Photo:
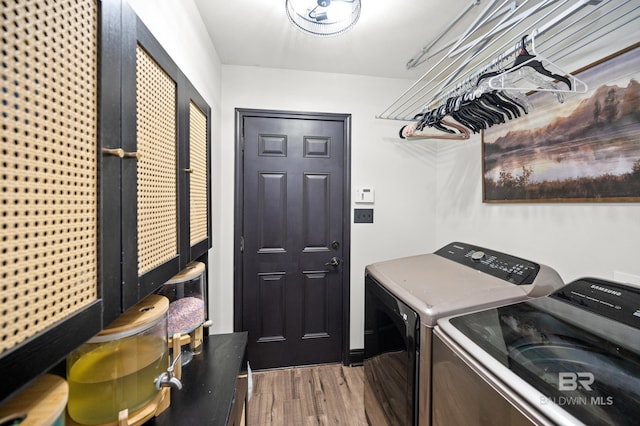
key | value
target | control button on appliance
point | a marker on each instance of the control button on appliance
(477, 256)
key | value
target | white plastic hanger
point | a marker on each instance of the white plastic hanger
(515, 79)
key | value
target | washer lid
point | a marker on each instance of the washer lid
(435, 286)
(586, 363)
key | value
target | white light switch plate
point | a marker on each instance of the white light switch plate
(365, 194)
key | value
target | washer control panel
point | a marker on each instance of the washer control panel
(610, 299)
(500, 265)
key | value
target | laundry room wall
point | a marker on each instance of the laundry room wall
(402, 174)
(577, 239)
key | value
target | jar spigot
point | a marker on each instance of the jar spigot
(167, 379)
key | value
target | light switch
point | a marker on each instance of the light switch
(365, 194)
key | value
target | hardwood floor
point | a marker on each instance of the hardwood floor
(318, 395)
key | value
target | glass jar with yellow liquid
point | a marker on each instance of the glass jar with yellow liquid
(117, 369)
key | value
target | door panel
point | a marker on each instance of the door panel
(271, 307)
(272, 212)
(198, 175)
(293, 208)
(157, 180)
(316, 295)
(53, 114)
(315, 213)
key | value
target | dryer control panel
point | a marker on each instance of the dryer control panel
(500, 265)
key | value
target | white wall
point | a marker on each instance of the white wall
(402, 174)
(581, 239)
(577, 239)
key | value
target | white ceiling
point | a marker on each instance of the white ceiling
(388, 34)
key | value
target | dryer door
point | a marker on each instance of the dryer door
(391, 346)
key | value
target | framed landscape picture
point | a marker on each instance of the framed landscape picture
(586, 149)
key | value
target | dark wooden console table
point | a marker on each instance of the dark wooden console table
(214, 387)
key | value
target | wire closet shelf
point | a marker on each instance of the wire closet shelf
(553, 31)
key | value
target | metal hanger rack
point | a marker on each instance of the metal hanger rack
(557, 29)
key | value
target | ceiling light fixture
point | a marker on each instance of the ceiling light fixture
(323, 17)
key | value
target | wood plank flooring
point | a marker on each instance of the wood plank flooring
(329, 394)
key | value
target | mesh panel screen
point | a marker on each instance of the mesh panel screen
(156, 145)
(198, 179)
(48, 179)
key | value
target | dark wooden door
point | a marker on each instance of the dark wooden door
(293, 254)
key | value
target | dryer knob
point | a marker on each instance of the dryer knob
(477, 256)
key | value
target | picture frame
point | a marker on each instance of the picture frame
(586, 149)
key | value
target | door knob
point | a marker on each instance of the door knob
(334, 262)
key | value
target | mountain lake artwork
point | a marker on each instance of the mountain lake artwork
(586, 149)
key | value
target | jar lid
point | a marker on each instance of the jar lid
(191, 271)
(40, 403)
(142, 316)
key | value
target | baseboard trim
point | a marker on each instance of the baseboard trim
(356, 357)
